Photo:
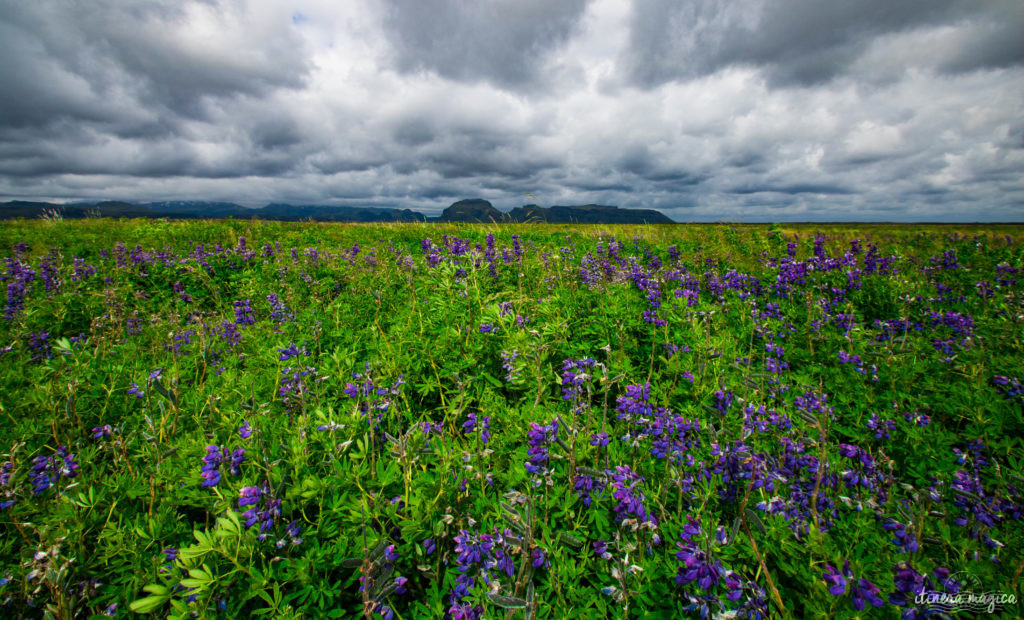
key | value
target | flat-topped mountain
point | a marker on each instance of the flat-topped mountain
(587, 214)
(472, 210)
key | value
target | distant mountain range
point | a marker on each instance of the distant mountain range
(477, 210)
(473, 210)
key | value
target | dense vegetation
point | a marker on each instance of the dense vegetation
(409, 420)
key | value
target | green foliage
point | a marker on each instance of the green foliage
(364, 402)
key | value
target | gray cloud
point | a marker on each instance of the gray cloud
(88, 60)
(805, 42)
(786, 110)
(504, 42)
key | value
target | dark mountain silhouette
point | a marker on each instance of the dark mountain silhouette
(587, 214)
(471, 210)
(479, 210)
(336, 214)
(208, 210)
(199, 208)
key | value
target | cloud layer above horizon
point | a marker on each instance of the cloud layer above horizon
(751, 110)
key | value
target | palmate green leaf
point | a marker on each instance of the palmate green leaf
(230, 523)
(148, 604)
(404, 321)
(492, 379)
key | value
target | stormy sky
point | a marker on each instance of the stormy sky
(741, 110)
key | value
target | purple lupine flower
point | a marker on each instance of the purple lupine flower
(599, 439)
(487, 328)
(400, 583)
(230, 333)
(835, 580)
(245, 431)
(470, 424)
(263, 517)
(429, 546)
(237, 458)
(504, 562)
(508, 364)
(635, 402)
(292, 351)
(179, 289)
(293, 529)
(624, 483)
(904, 536)
(47, 470)
(5, 479)
(1009, 387)
(99, 432)
(135, 391)
(243, 313)
(351, 390)
(538, 559)
(470, 549)
(279, 312)
(881, 427)
(293, 384)
(723, 400)
(865, 591)
(465, 611)
(539, 437)
(908, 582)
(249, 496)
(721, 535)
(697, 566)
(601, 550)
(211, 466)
(691, 530)
(485, 429)
(585, 487)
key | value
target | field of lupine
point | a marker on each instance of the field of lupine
(252, 419)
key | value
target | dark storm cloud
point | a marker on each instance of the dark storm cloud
(803, 42)
(115, 87)
(783, 109)
(994, 42)
(504, 42)
(87, 60)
